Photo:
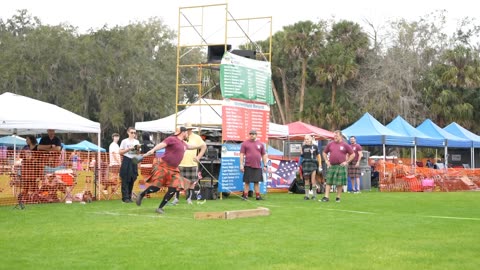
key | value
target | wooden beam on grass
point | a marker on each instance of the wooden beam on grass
(260, 211)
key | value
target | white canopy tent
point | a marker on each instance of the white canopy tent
(206, 113)
(24, 115)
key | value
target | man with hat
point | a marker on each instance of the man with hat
(252, 152)
(189, 164)
(165, 172)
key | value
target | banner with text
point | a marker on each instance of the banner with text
(246, 78)
(239, 117)
(231, 178)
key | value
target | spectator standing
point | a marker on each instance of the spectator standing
(252, 152)
(340, 154)
(354, 166)
(311, 161)
(129, 148)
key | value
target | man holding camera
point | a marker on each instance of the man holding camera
(129, 148)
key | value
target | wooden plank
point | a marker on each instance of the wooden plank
(467, 181)
(260, 211)
(209, 215)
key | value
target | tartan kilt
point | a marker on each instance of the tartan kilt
(189, 173)
(337, 175)
(309, 166)
(164, 175)
(353, 171)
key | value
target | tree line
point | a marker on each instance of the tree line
(326, 73)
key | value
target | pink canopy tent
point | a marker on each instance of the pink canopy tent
(298, 130)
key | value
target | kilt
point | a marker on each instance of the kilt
(252, 175)
(164, 175)
(190, 173)
(309, 166)
(337, 175)
(353, 171)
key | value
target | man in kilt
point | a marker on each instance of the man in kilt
(311, 162)
(354, 166)
(340, 154)
(252, 152)
(189, 164)
(165, 172)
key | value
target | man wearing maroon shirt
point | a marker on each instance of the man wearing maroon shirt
(252, 152)
(165, 171)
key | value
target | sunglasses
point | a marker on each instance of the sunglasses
(133, 132)
(253, 133)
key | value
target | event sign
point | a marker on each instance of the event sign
(231, 178)
(245, 78)
(239, 117)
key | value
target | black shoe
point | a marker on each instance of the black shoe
(139, 199)
(337, 200)
(244, 198)
(259, 198)
(127, 201)
(325, 199)
(306, 198)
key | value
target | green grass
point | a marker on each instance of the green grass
(372, 230)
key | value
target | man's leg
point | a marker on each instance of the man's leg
(246, 186)
(170, 193)
(125, 193)
(358, 184)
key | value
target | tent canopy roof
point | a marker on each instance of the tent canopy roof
(401, 126)
(298, 130)
(432, 130)
(84, 146)
(368, 131)
(463, 133)
(24, 115)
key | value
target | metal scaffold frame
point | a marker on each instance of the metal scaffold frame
(201, 28)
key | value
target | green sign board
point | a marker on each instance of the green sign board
(245, 78)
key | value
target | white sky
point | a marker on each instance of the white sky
(92, 14)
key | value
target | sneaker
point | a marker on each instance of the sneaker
(306, 198)
(337, 200)
(139, 199)
(175, 201)
(244, 198)
(189, 201)
(127, 201)
(325, 199)
(160, 211)
(259, 198)
(314, 197)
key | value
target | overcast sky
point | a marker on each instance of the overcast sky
(93, 14)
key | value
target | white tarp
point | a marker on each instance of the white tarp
(24, 115)
(206, 113)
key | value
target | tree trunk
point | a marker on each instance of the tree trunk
(279, 104)
(334, 92)
(286, 98)
(302, 88)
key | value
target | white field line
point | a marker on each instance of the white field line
(348, 211)
(457, 218)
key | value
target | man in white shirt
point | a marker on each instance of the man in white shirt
(129, 148)
(114, 165)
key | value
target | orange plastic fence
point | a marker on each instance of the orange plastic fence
(399, 177)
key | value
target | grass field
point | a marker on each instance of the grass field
(371, 230)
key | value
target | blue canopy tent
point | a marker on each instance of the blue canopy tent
(84, 146)
(13, 140)
(463, 133)
(403, 127)
(368, 131)
(431, 129)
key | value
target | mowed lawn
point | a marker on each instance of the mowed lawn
(371, 230)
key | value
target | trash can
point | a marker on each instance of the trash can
(366, 178)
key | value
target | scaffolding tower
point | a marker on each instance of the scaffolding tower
(204, 33)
